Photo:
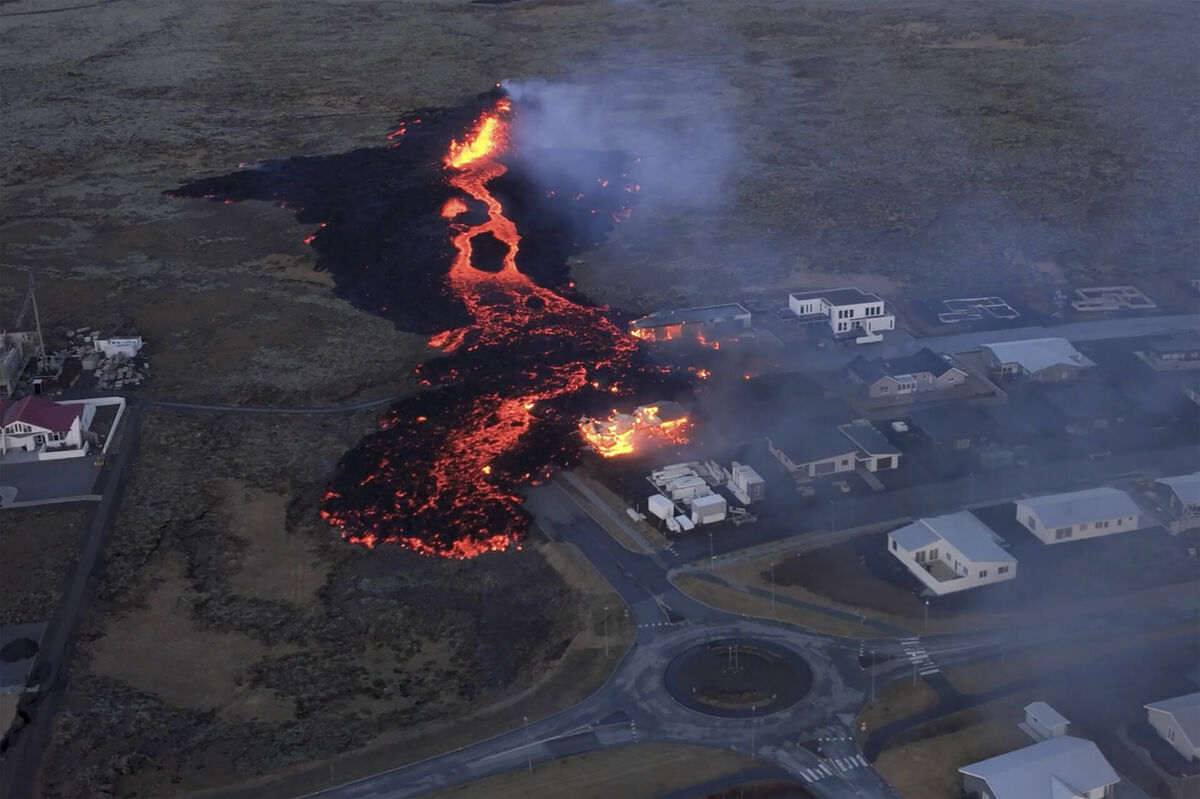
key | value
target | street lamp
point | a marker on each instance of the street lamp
(528, 745)
(832, 517)
(772, 588)
(872, 676)
(712, 556)
(926, 615)
(753, 729)
(606, 631)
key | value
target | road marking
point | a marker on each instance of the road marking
(813, 776)
(862, 761)
(826, 769)
(933, 670)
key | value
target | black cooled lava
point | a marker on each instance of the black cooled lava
(453, 230)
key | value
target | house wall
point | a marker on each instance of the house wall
(881, 463)
(1053, 374)
(870, 317)
(953, 377)
(1168, 729)
(976, 785)
(1093, 528)
(970, 573)
(833, 465)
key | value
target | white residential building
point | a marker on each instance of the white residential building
(848, 311)
(1183, 500)
(1059, 768)
(34, 424)
(952, 553)
(1043, 722)
(1040, 359)
(1177, 721)
(1079, 514)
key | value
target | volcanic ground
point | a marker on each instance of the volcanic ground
(453, 229)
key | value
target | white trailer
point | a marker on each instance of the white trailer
(746, 484)
(708, 509)
(660, 506)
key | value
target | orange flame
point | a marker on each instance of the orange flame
(623, 433)
(487, 137)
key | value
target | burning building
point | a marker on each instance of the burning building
(624, 433)
(707, 325)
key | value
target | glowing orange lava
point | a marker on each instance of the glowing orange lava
(454, 207)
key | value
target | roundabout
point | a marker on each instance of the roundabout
(738, 678)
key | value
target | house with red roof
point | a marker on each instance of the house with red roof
(34, 424)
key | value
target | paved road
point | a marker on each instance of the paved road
(195, 406)
(634, 704)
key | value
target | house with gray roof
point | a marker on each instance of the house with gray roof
(816, 450)
(1057, 518)
(1040, 359)
(952, 553)
(923, 371)
(1064, 767)
(1182, 493)
(1177, 721)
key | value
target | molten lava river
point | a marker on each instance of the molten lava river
(454, 231)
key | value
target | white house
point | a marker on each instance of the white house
(1079, 514)
(1177, 722)
(34, 424)
(1043, 722)
(874, 451)
(952, 553)
(1040, 359)
(818, 451)
(1059, 768)
(1183, 500)
(848, 311)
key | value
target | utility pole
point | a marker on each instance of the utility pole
(832, 517)
(872, 676)
(753, 728)
(914, 674)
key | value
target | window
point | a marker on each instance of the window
(962, 443)
(1031, 523)
(983, 572)
(884, 389)
(1119, 522)
(1002, 570)
(845, 461)
(1101, 525)
(933, 554)
(920, 556)
(893, 546)
(1170, 734)
(1061, 533)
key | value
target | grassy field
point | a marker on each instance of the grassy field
(926, 766)
(899, 700)
(37, 546)
(646, 770)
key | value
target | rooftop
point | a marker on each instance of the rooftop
(1088, 400)
(971, 537)
(1060, 767)
(39, 412)
(1061, 510)
(845, 296)
(1036, 354)
(868, 439)
(1186, 712)
(923, 360)
(1046, 715)
(809, 444)
(1178, 342)
(707, 313)
(1185, 486)
(948, 423)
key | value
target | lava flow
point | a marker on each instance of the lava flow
(624, 433)
(522, 358)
